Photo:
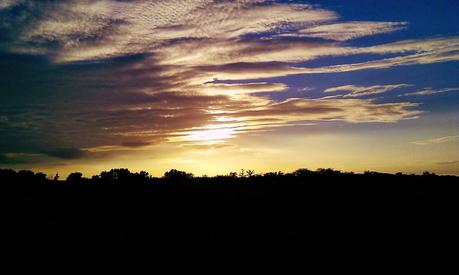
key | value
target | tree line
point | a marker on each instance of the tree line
(124, 175)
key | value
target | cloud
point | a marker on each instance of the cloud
(207, 147)
(439, 140)
(243, 88)
(135, 144)
(215, 52)
(84, 30)
(349, 30)
(350, 110)
(66, 153)
(430, 91)
(5, 4)
(12, 159)
(413, 52)
(448, 162)
(306, 89)
(86, 77)
(358, 91)
(239, 61)
(204, 32)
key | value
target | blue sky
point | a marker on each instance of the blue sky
(213, 86)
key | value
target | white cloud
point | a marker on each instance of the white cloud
(350, 110)
(349, 30)
(437, 140)
(306, 89)
(358, 91)
(430, 91)
(4, 4)
(412, 52)
(122, 28)
(207, 32)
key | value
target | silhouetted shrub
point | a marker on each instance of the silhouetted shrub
(75, 177)
(178, 176)
(428, 174)
(328, 172)
(303, 173)
(115, 175)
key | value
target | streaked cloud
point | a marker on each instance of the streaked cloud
(234, 89)
(412, 52)
(358, 91)
(448, 162)
(438, 140)
(430, 91)
(349, 30)
(350, 110)
(82, 30)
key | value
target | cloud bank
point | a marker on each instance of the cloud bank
(91, 76)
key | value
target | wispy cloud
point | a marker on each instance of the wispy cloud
(5, 4)
(448, 162)
(349, 30)
(79, 30)
(358, 91)
(243, 88)
(306, 89)
(438, 140)
(351, 110)
(430, 91)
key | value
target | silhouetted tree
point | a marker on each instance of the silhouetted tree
(428, 174)
(115, 175)
(7, 174)
(176, 175)
(75, 177)
(271, 206)
(40, 177)
(26, 174)
(232, 175)
(303, 172)
(328, 172)
(250, 173)
(144, 174)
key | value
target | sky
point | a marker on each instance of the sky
(214, 86)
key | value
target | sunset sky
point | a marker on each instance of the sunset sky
(213, 86)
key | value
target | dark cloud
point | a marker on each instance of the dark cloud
(66, 153)
(46, 27)
(15, 159)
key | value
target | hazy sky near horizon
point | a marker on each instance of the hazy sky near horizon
(213, 86)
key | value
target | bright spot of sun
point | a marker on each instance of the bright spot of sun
(214, 135)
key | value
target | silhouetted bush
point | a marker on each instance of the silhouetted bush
(178, 176)
(75, 177)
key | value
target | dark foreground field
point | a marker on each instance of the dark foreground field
(122, 208)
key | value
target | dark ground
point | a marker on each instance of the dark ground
(119, 208)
